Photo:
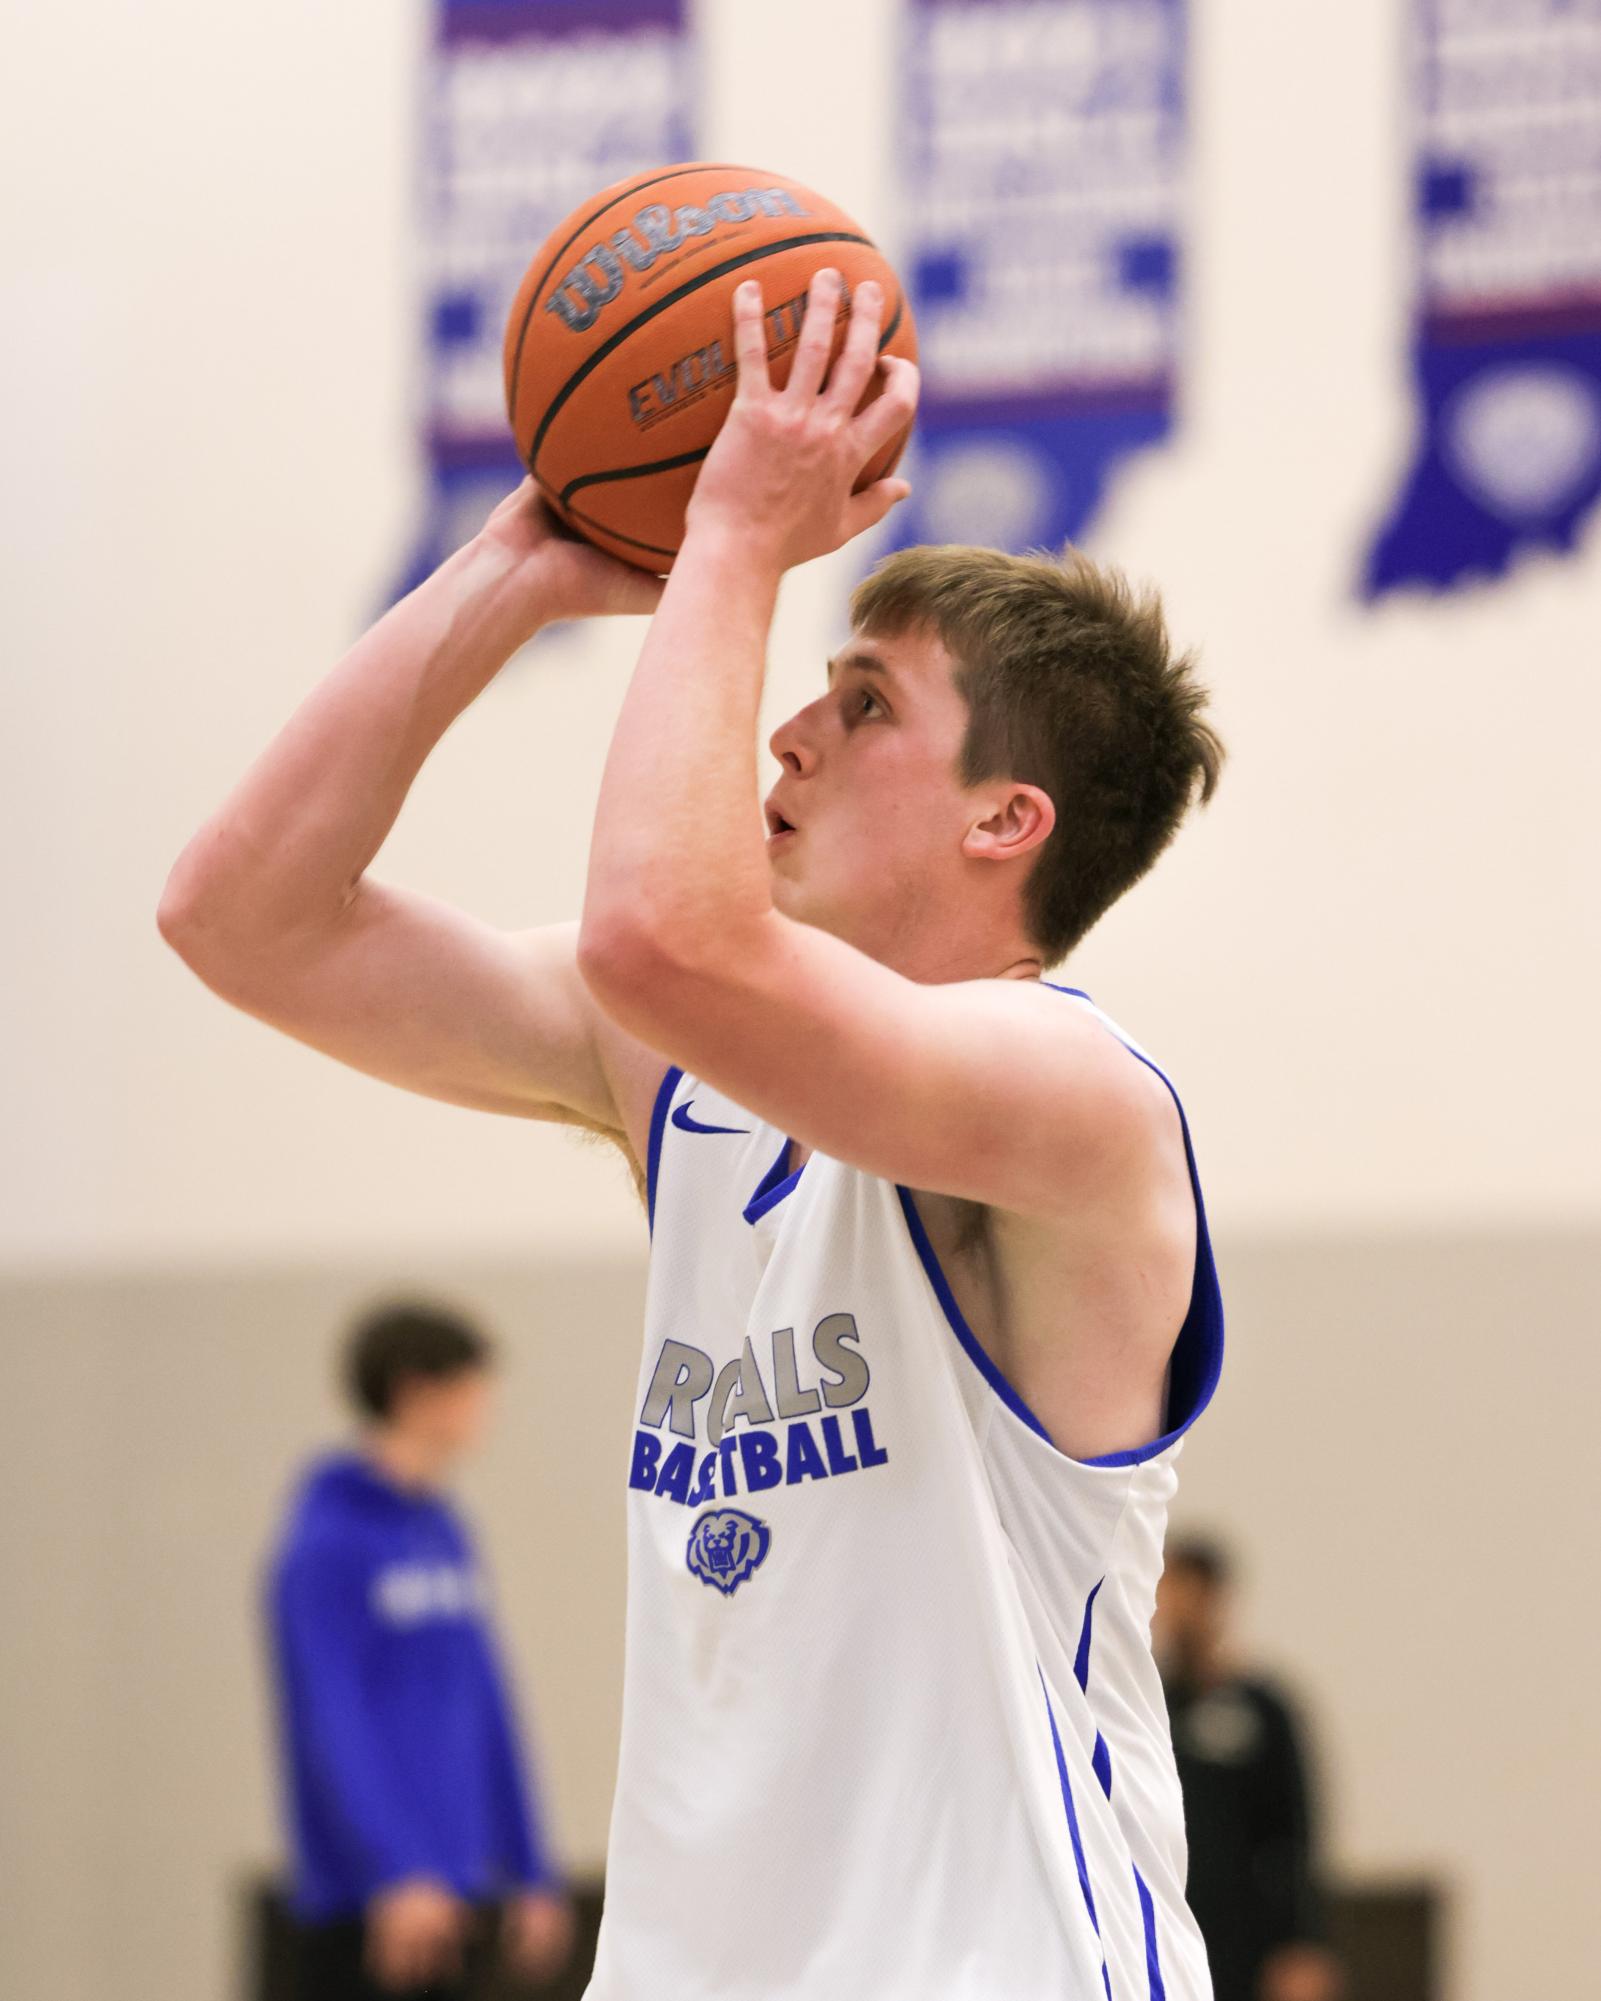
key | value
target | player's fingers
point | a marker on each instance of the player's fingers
(524, 500)
(858, 358)
(816, 341)
(890, 412)
(750, 342)
(866, 509)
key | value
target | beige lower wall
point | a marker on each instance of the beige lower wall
(1402, 1447)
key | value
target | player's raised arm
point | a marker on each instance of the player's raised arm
(946, 1079)
(271, 904)
(909, 1039)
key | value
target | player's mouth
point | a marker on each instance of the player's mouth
(779, 829)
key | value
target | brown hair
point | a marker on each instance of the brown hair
(1071, 685)
(408, 1341)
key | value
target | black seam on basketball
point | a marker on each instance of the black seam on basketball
(617, 535)
(589, 221)
(564, 497)
(575, 514)
(632, 472)
(624, 333)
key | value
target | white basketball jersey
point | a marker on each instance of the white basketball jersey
(891, 1726)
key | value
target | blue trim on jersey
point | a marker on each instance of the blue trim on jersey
(959, 1326)
(1153, 1959)
(653, 1152)
(1197, 1358)
(774, 1185)
(1101, 1758)
(1072, 1826)
(1081, 1660)
(1101, 1764)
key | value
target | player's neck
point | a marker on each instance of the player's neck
(944, 966)
(406, 1459)
(940, 955)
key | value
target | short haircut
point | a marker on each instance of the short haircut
(405, 1340)
(1203, 1557)
(1071, 684)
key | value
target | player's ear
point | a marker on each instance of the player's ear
(1014, 822)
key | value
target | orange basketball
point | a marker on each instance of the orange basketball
(619, 362)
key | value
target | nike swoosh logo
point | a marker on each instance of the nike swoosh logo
(686, 1124)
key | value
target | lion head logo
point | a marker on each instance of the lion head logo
(725, 1546)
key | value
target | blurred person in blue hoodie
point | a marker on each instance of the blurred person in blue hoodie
(410, 1809)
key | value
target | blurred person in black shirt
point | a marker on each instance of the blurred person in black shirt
(1247, 1805)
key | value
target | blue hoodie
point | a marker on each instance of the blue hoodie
(397, 1735)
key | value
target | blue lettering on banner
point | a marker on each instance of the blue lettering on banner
(1044, 149)
(531, 107)
(1506, 337)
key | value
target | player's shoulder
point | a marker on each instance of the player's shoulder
(1093, 1093)
(1044, 1017)
(1030, 997)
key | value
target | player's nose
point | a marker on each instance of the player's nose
(794, 746)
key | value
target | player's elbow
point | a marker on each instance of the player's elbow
(619, 958)
(186, 927)
(641, 972)
(181, 912)
(199, 917)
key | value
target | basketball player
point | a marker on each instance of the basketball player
(931, 1298)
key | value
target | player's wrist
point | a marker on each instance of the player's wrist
(520, 588)
(731, 547)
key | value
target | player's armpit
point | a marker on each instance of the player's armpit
(998, 1091)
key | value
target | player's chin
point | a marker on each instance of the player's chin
(788, 887)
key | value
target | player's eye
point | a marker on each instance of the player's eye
(864, 702)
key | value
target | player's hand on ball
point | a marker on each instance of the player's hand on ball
(781, 475)
(572, 579)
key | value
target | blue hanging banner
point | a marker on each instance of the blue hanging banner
(531, 107)
(1042, 143)
(1506, 354)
